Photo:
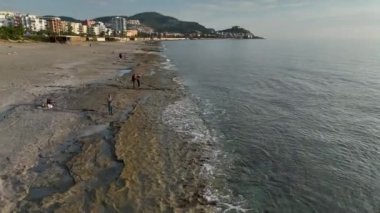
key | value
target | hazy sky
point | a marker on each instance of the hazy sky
(357, 19)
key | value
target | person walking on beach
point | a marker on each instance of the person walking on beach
(136, 78)
(109, 103)
(120, 55)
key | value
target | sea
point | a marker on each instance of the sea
(294, 125)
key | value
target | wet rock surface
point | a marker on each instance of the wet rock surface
(95, 162)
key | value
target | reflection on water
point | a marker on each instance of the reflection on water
(299, 130)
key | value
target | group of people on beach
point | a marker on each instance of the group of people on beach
(135, 81)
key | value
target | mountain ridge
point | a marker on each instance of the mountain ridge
(162, 23)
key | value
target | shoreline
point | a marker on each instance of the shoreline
(81, 159)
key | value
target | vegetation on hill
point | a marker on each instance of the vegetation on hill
(107, 19)
(162, 23)
(236, 29)
(64, 18)
(238, 32)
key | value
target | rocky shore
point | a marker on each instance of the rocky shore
(77, 158)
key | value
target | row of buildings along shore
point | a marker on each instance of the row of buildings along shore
(50, 25)
(118, 28)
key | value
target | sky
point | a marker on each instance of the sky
(331, 19)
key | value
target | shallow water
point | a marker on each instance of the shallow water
(124, 72)
(296, 123)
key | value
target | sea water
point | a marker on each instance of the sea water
(295, 125)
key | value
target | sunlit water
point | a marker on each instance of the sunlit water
(297, 123)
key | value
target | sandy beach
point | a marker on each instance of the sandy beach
(77, 158)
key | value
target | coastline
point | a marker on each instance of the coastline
(77, 158)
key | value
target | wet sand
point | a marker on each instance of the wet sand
(77, 158)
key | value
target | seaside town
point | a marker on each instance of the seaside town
(114, 28)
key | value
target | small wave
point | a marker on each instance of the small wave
(184, 118)
(167, 65)
(180, 82)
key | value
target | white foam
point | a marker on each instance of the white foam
(184, 118)
(180, 82)
(167, 65)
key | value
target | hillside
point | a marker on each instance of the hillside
(107, 19)
(64, 18)
(238, 32)
(162, 23)
(236, 29)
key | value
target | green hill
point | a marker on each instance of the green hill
(236, 29)
(237, 32)
(162, 23)
(107, 19)
(64, 18)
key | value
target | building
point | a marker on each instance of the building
(88, 23)
(75, 28)
(54, 25)
(94, 30)
(132, 33)
(133, 22)
(102, 27)
(98, 29)
(83, 29)
(65, 26)
(119, 25)
(145, 30)
(33, 23)
(41, 26)
(15, 21)
(5, 18)
(108, 32)
(3, 21)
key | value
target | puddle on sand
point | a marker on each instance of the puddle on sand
(123, 72)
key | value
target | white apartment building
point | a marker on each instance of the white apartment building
(42, 23)
(3, 21)
(6, 18)
(75, 28)
(65, 26)
(108, 32)
(94, 30)
(119, 25)
(83, 29)
(102, 27)
(33, 23)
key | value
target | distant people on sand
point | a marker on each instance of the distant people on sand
(120, 55)
(136, 79)
(109, 104)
